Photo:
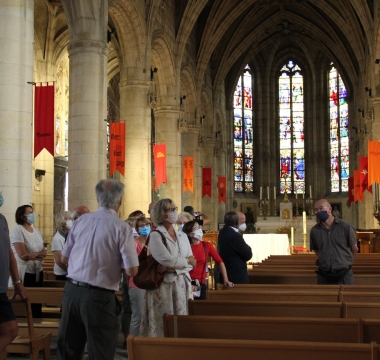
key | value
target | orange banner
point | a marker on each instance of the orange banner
(206, 182)
(363, 167)
(221, 189)
(117, 148)
(358, 195)
(188, 173)
(159, 153)
(373, 162)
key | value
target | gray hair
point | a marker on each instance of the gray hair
(60, 219)
(109, 193)
(185, 214)
(160, 210)
(231, 218)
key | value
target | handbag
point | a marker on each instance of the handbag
(147, 276)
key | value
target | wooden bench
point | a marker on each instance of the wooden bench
(272, 328)
(28, 342)
(188, 349)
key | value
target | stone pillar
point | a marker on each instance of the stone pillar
(88, 51)
(16, 59)
(190, 148)
(136, 113)
(167, 132)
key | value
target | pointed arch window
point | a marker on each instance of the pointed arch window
(243, 133)
(291, 129)
(339, 140)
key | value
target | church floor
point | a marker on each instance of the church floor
(121, 354)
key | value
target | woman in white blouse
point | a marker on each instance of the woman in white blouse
(29, 250)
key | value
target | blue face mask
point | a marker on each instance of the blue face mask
(180, 227)
(1, 200)
(31, 218)
(322, 216)
(144, 231)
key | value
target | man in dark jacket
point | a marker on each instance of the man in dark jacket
(233, 249)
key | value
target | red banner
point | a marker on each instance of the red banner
(358, 195)
(159, 152)
(188, 173)
(373, 162)
(43, 119)
(363, 166)
(117, 148)
(221, 189)
(350, 189)
(206, 182)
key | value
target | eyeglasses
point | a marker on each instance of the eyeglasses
(141, 225)
(320, 209)
(171, 209)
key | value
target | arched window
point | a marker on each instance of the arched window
(339, 142)
(243, 134)
(291, 128)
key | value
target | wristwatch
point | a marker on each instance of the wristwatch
(17, 282)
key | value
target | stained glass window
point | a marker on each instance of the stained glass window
(339, 142)
(291, 127)
(243, 134)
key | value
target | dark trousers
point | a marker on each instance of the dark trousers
(126, 315)
(88, 315)
(348, 279)
(30, 281)
(60, 277)
(203, 293)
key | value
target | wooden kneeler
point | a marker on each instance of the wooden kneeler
(28, 343)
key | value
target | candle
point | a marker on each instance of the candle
(274, 193)
(304, 221)
(303, 195)
(311, 196)
(296, 196)
(261, 192)
(268, 192)
(292, 236)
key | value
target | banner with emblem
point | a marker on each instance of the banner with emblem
(117, 148)
(43, 118)
(373, 162)
(206, 181)
(358, 195)
(188, 173)
(350, 190)
(159, 153)
(363, 167)
(221, 189)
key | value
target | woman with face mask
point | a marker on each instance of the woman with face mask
(176, 260)
(63, 223)
(29, 250)
(201, 250)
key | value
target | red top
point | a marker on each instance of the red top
(199, 273)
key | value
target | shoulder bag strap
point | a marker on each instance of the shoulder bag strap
(162, 237)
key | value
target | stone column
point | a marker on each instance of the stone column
(167, 132)
(136, 113)
(88, 51)
(16, 59)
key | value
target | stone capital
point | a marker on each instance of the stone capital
(135, 83)
(89, 46)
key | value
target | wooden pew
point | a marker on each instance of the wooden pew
(187, 349)
(28, 342)
(272, 328)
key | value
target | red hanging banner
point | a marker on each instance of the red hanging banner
(358, 195)
(206, 182)
(159, 153)
(351, 190)
(221, 189)
(373, 162)
(363, 166)
(43, 119)
(117, 148)
(188, 173)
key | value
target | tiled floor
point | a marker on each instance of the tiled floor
(121, 354)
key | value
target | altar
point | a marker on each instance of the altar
(265, 245)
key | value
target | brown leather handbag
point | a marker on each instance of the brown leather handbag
(147, 276)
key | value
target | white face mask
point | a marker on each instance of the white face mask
(242, 227)
(69, 224)
(198, 234)
(172, 217)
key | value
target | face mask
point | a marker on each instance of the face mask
(69, 224)
(144, 231)
(31, 218)
(172, 217)
(322, 216)
(180, 227)
(1, 200)
(242, 227)
(198, 234)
